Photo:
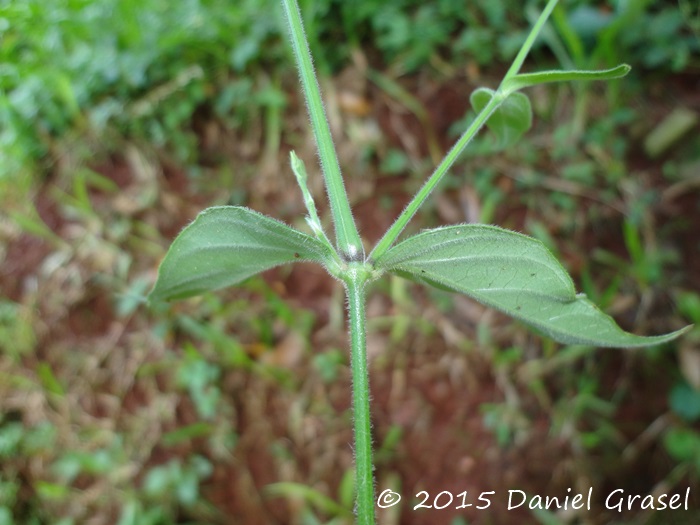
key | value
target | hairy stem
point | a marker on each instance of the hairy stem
(508, 85)
(392, 233)
(364, 480)
(347, 237)
(530, 40)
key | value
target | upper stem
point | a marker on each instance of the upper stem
(347, 237)
(409, 211)
(530, 40)
(498, 98)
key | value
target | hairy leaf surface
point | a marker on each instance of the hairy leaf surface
(225, 245)
(512, 273)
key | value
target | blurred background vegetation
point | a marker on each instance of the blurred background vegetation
(121, 119)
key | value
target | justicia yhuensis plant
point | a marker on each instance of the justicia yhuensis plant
(502, 269)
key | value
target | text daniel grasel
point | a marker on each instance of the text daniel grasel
(616, 500)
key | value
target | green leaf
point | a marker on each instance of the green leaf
(512, 273)
(512, 118)
(227, 244)
(312, 218)
(525, 80)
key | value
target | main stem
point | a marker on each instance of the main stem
(347, 237)
(355, 282)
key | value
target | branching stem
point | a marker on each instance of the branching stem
(393, 233)
(502, 93)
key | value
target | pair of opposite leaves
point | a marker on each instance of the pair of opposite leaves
(502, 269)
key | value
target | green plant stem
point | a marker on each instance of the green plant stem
(355, 281)
(348, 239)
(393, 233)
(530, 40)
(508, 86)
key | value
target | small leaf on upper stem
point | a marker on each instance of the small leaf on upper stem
(512, 273)
(512, 118)
(524, 80)
(227, 244)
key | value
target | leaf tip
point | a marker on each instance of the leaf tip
(624, 69)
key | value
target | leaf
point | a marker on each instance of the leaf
(525, 80)
(510, 120)
(225, 245)
(512, 273)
